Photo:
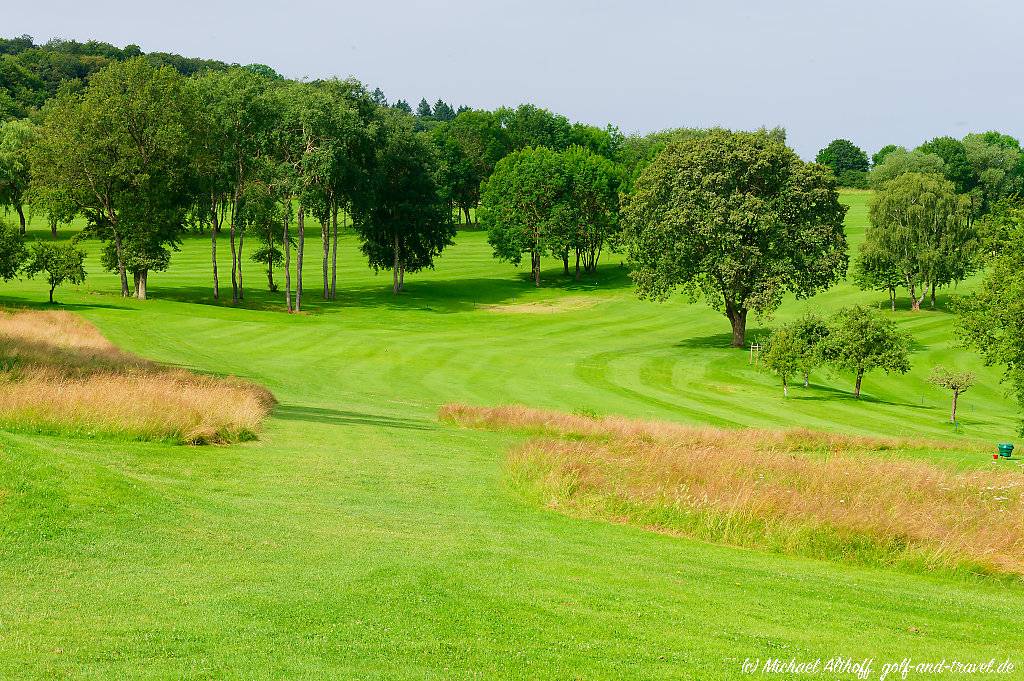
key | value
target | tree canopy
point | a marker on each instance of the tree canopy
(738, 218)
(122, 152)
(861, 340)
(848, 161)
(920, 234)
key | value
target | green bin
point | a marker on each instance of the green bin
(1005, 450)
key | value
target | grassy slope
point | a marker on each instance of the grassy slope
(359, 536)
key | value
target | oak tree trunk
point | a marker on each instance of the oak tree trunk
(738, 319)
(856, 387)
(21, 216)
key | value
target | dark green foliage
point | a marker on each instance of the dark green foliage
(30, 74)
(854, 179)
(443, 111)
(61, 263)
(738, 218)
(879, 156)
(842, 155)
(402, 222)
(956, 167)
(263, 71)
(467, 148)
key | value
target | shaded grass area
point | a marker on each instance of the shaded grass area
(798, 492)
(58, 374)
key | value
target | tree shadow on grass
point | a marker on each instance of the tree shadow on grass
(295, 412)
(14, 304)
(426, 294)
(825, 393)
(723, 341)
(945, 302)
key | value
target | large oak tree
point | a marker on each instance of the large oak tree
(738, 218)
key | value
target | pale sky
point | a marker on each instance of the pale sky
(874, 72)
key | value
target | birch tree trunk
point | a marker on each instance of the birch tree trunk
(213, 250)
(298, 257)
(287, 267)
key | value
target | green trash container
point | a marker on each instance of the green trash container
(1005, 449)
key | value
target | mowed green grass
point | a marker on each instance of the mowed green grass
(360, 538)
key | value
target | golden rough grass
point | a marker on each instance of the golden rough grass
(55, 338)
(769, 489)
(60, 373)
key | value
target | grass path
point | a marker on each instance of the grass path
(360, 538)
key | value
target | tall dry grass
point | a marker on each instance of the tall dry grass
(60, 374)
(765, 489)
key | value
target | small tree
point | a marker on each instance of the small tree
(861, 340)
(12, 251)
(62, 263)
(811, 333)
(956, 382)
(782, 355)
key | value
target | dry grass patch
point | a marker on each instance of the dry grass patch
(60, 374)
(793, 491)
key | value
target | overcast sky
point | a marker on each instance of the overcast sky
(874, 72)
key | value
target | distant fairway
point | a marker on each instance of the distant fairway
(359, 537)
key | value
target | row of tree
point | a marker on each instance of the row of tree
(856, 339)
(987, 166)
